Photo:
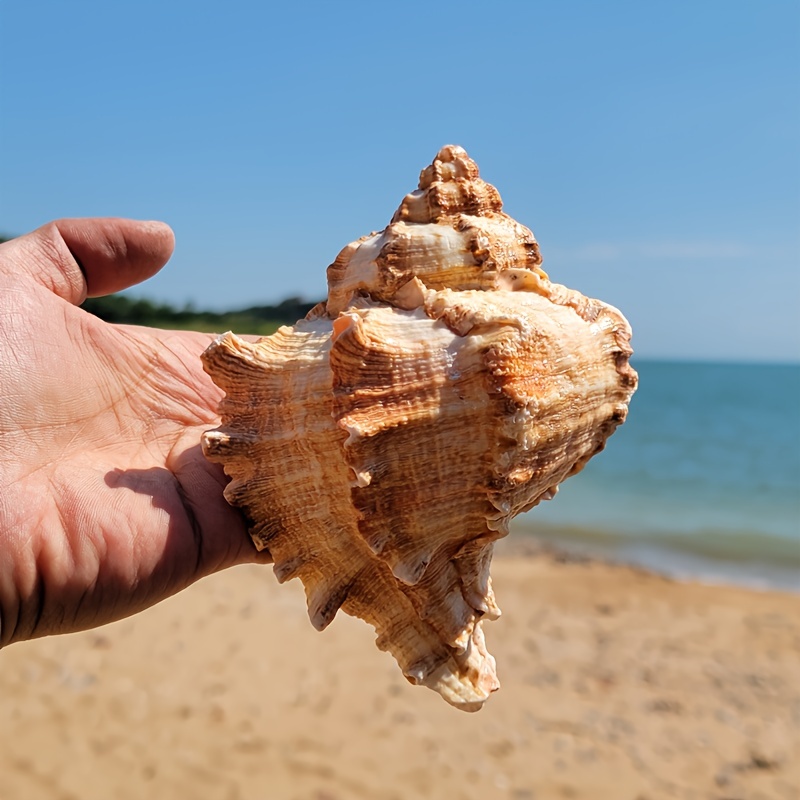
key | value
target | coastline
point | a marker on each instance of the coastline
(617, 682)
(759, 563)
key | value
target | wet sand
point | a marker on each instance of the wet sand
(616, 684)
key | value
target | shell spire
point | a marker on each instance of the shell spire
(381, 446)
(451, 185)
(451, 233)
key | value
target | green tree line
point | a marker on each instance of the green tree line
(259, 320)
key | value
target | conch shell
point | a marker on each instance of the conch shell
(380, 446)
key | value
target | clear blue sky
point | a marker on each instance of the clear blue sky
(653, 148)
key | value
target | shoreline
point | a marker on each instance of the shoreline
(657, 556)
(616, 682)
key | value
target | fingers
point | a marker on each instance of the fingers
(114, 254)
(79, 258)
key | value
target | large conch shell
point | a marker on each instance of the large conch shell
(380, 446)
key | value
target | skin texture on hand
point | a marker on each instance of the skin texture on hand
(107, 504)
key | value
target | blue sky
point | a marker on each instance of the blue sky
(653, 148)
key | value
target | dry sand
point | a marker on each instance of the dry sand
(616, 684)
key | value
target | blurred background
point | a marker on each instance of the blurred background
(652, 148)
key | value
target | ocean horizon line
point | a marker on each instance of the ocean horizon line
(709, 361)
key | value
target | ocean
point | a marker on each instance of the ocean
(702, 480)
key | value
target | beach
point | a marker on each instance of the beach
(616, 683)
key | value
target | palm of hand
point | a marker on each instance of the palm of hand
(108, 504)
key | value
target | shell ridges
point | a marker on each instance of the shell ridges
(380, 447)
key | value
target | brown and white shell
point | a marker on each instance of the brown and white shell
(380, 446)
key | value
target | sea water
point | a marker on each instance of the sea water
(702, 480)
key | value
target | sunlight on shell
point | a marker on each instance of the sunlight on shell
(381, 446)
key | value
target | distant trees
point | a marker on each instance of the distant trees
(261, 320)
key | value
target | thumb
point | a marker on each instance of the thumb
(80, 258)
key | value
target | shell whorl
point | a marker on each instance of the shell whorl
(451, 233)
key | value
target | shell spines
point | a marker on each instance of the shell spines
(379, 448)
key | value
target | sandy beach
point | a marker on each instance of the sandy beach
(617, 683)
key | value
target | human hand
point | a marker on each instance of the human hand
(107, 505)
